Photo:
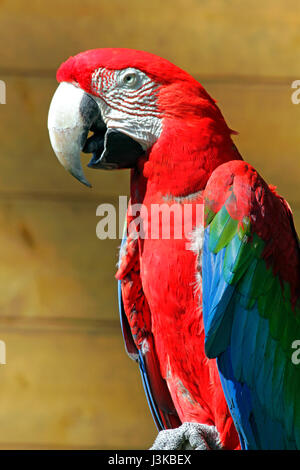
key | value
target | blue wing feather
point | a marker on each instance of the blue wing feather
(239, 337)
(215, 302)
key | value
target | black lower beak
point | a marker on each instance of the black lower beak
(112, 149)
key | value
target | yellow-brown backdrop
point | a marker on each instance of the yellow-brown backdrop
(68, 382)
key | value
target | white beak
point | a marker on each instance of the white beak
(71, 114)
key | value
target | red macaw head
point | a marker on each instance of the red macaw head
(126, 98)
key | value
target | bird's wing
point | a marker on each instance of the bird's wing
(251, 277)
(135, 317)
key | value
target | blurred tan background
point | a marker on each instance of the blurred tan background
(68, 382)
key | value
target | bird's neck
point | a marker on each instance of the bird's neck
(182, 160)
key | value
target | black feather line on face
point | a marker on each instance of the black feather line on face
(110, 148)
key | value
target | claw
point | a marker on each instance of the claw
(189, 436)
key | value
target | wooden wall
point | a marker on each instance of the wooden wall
(68, 382)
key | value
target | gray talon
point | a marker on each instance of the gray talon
(189, 436)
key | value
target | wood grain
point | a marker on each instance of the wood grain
(66, 389)
(263, 114)
(216, 37)
(68, 382)
(52, 263)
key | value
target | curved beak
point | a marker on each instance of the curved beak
(71, 115)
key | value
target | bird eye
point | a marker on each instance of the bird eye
(130, 79)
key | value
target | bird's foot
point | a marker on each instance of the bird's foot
(189, 436)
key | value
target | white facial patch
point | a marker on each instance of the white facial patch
(128, 102)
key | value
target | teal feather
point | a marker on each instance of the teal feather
(257, 324)
(280, 361)
(276, 307)
(288, 388)
(261, 339)
(249, 345)
(268, 369)
(236, 261)
(297, 412)
(238, 325)
(245, 286)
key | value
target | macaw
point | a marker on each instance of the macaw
(211, 316)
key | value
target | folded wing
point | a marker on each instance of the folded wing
(251, 277)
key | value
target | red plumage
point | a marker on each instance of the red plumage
(270, 216)
(158, 276)
(163, 308)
